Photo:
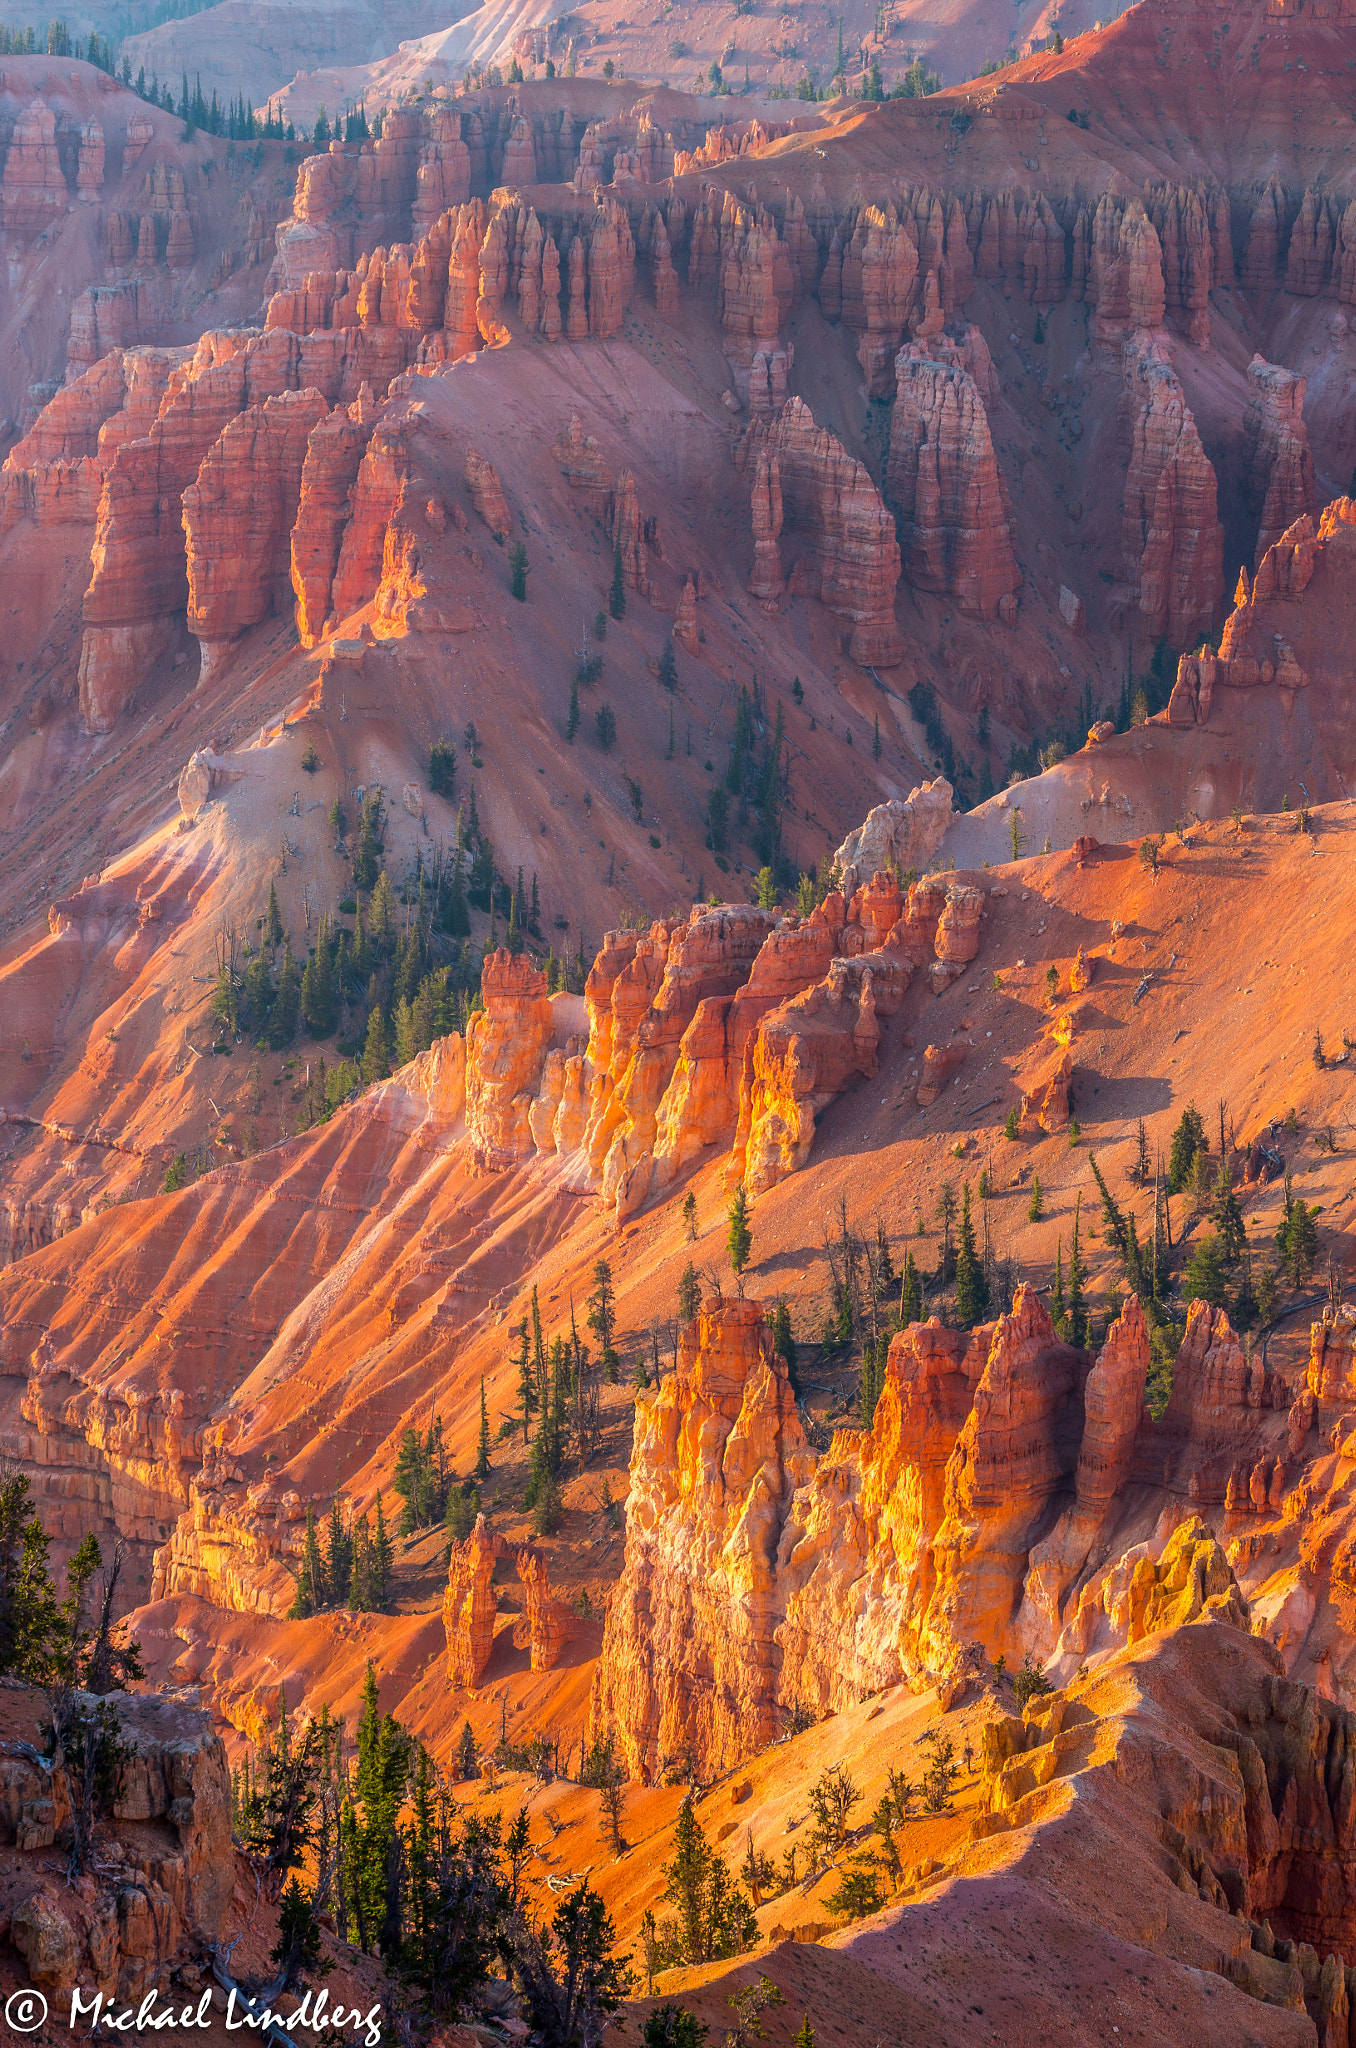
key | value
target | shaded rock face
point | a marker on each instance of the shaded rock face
(1174, 543)
(977, 1516)
(33, 191)
(833, 509)
(943, 476)
(239, 514)
(1280, 468)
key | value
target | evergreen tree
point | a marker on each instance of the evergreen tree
(602, 1315)
(1203, 1275)
(383, 1560)
(739, 1238)
(1077, 1309)
(273, 919)
(317, 986)
(1140, 1170)
(482, 1466)
(668, 666)
(376, 1060)
(518, 571)
(338, 1553)
(616, 597)
(689, 1293)
(910, 1293)
(783, 1341)
(527, 1386)
(873, 1377)
(1188, 1140)
(1057, 1291)
(282, 1023)
(1297, 1238)
(312, 1580)
(468, 1765)
(572, 722)
(1227, 1216)
(972, 1286)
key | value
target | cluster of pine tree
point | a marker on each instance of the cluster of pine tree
(755, 784)
(57, 42)
(440, 1895)
(558, 1393)
(422, 1478)
(354, 1568)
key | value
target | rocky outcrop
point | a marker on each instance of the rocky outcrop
(1124, 270)
(1280, 468)
(942, 473)
(239, 515)
(469, 1605)
(124, 1931)
(506, 1043)
(900, 835)
(976, 1517)
(804, 1053)
(728, 1026)
(33, 191)
(328, 474)
(1174, 543)
(833, 516)
(376, 492)
(1267, 639)
(689, 1663)
(487, 494)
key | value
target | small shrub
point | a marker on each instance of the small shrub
(310, 760)
(1030, 1683)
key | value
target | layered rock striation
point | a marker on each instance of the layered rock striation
(731, 1026)
(976, 1517)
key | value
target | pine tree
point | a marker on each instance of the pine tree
(1034, 1210)
(282, 1023)
(1057, 1291)
(1077, 1311)
(972, 1286)
(805, 2034)
(1140, 1173)
(376, 1060)
(482, 1465)
(689, 1293)
(527, 1389)
(739, 1238)
(668, 667)
(1188, 1140)
(616, 597)
(572, 722)
(690, 1217)
(383, 1560)
(783, 1341)
(338, 1553)
(468, 1765)
(1227, 1216)
(875, 742)
(312, 1579)
(910, 1293)
(273, 920)
(602, 1316)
